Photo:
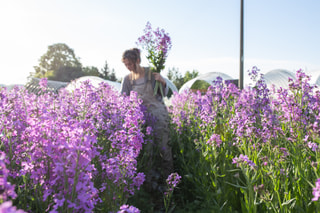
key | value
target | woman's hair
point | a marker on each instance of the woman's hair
(132, 55)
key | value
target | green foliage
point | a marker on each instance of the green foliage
(112, 76)
(206, 171)
(59, 57)
(150, 196)
(90, 71)
(200, 85)
(105, 71)
(190, 75)
(66, 74)
(60, 63)
(177, 79)
(107, 74)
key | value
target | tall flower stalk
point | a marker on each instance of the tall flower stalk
(172, 181)
(157, 43)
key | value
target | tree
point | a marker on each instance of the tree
(105, 71)
(90, 71)
(66, 74)
(112, 76)
(58, 58)
(175, 76)
(106, 74)
(190, 75)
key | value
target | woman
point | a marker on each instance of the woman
(142, 80)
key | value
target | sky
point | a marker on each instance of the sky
(205, 34)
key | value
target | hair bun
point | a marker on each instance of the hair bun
(136, 50)
(132, 54)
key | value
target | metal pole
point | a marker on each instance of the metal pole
(240, 84)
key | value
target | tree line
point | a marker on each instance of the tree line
(60, 63)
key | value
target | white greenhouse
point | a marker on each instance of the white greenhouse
(94, 81)
(279, 78)
(55, 86)
(52, 86)
(316, 76)
(208, 77)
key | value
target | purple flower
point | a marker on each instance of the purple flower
(243, 159)
(128, 209)
(7, 207)
(138, 180)
(316, 191)
(215, 138)
(6, 189)
(313, 146)
(43, 82)
(157, 43)
(149, 130)
(173, 180)
(284, 151)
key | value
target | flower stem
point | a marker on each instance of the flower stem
(158, 85)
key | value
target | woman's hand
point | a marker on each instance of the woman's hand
(159, 78)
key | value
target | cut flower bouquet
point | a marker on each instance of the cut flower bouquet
(157, 43)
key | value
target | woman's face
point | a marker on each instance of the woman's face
(131, 66)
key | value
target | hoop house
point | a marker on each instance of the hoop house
(208, 77)
(278, 78)
(53, 86)
(317, 82)
(94, 80)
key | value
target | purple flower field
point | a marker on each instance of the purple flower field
(71, 152)
(254, 150)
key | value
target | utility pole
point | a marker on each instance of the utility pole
(240, 83)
